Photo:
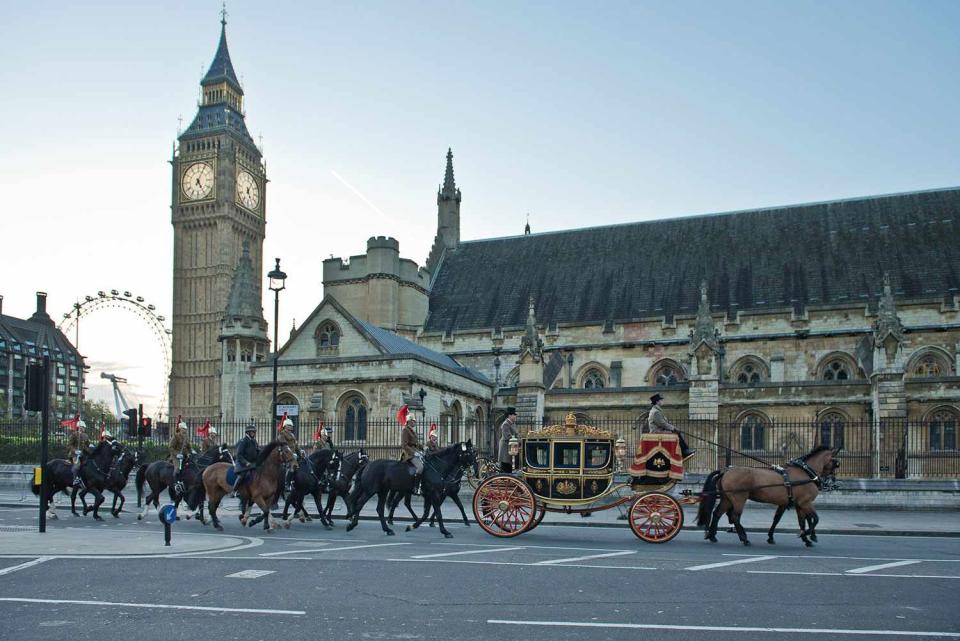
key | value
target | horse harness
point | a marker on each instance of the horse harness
(789, 483)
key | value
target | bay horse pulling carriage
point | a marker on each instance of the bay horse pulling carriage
(570, 469)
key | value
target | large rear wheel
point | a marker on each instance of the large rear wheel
(656, 517)
(539, 512)
(504, 506)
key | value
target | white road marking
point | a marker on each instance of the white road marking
(530, 547)
(716, 628)
(28, 564)
(710, 566)
(249, 574)
(349, 547)
(849, 558)
(585, 558)
(888, 576)
(882, 566)
(160, 606)
(485, 551)
(526, 565)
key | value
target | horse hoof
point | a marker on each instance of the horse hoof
(409, 529)
(350, 526)
(746, 543)
(809, 544)
(286, 525)
(813, 538)
(116, 515)
(433, 525)
(390, 533)
(327, 526)
(97, 517)
(771, 541)
(712, 539)
(139, 517)
(447, 535)
(219, 527)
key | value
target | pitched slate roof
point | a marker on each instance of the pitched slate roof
(217, 118)
(37, 335)
(221, 69)
(244, 314)
(393, 344)
(813, 254)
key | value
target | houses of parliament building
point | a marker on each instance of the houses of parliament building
(833, 313)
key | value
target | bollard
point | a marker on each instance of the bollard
(168, 514)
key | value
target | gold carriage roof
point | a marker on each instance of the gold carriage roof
(570, 428)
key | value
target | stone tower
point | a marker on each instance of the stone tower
(217, 205)
(448, 217)
(243, 337)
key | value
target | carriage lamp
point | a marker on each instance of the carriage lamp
(513, 446)
(620, 448)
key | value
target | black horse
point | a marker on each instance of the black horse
(117, 479)
(451, 490)
(315, 474)
(382, 476)
(59, 479)
(161, 475)
(350, 465)
(95, 472)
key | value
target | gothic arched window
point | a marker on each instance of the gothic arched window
(831, 426)
(749, 370)
(594, 379)
(327, 337)
(752, 432)
(836, 370)
(929, 363)
(354, 419)
(668, 374)
(943, 429)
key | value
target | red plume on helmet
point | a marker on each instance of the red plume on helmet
(204, 431)
(72, 423)
(319, 432)
(432, 432)
(402, 415)
(103, 429)
(282, 420)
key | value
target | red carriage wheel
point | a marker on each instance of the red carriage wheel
(541, 511)
(656, 517)
(503, 505)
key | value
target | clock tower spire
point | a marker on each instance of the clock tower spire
(218, 212)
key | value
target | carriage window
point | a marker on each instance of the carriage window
(597, 455)
(538, 454)
(566, 455)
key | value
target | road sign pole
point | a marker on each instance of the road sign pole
(44, 443)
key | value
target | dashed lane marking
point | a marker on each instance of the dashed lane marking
(249, 574)
(882, 566)
(159, 606)
(484, 551)
(710, 566)
(585, 558)
(849, 558)
(714, 628)
(348, 547)
(886, 576)
(28, 564)
(526, 565)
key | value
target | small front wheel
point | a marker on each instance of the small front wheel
(656, 517)
(503, 506)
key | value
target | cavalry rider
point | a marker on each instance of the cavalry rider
(658, 423)
(247, 453)
(179, 447)
(433, 441)
(508, 430)
(288, 438)
(211, 439)
(410, 449)
(77, 443)
(321, 438)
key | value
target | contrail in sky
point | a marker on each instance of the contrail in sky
(361, 196)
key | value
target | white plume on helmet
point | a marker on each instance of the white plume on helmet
(182, 426)
(287, 422)
(213, 430)
(81, 424)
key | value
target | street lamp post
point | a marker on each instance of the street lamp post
(278, 282)
(423, 410)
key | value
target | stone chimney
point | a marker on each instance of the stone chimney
(41, 314)
(1, 304)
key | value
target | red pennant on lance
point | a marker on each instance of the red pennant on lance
(432, 432)
(319, 432)
(282, 419)
(402, 415)
(72, 423)
(204, 431)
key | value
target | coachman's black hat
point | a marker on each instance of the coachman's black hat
(511, 410)
(655, 398)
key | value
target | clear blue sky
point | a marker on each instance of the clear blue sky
(579, 113)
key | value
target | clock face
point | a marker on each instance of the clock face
(248, 193)
(197, 182)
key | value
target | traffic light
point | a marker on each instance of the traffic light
(131, 415)
(146, 424)
(36, 387)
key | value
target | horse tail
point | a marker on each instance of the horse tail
(708, 498)
(141, 473)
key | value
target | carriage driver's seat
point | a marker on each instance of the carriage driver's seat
(658, 460)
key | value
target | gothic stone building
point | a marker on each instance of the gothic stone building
(835, 313)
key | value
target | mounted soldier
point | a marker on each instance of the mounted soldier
(411, 451)
(433, 440)
(210, 439)
(288, 438)
(658, 423)
(248, 451)
(77, 444)
(321, 438)
(179, 447)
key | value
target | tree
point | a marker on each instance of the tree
(95, 411)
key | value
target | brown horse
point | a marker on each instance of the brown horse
(767, 485)
(260, 488)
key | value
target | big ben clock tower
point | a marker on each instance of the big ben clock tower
(218, 215)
